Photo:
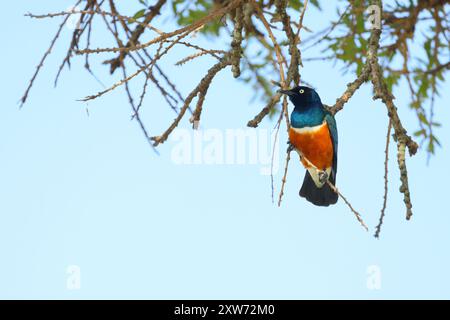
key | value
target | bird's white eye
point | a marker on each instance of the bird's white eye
(301, 91)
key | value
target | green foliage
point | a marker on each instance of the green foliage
(189, 11)
(298, 4)
(136, 16)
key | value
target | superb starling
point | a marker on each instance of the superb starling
(313, 134)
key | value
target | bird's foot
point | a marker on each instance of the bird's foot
(290, 146)
(323, 176)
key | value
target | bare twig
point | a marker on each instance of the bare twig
(140, 28)
(188, 29)
(386, 169)
(136, 113)
(283, 180)
(193, 56)
(279, 54)
(265, 111)
(117, 84)
(202, 86)
(351, 89)
(41, 63)
(356, 213)
(284, 113)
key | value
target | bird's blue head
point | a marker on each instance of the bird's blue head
(302, 97)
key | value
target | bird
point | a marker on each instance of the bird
(313, 134)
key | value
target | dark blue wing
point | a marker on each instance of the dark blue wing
(331, 122)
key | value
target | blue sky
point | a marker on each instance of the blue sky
(86, 190)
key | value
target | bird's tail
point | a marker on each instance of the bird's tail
(323, 196)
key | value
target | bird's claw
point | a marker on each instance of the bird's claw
(323, 176)
(290, 146)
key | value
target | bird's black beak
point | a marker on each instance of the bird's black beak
(287, 92)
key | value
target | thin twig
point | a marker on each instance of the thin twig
(277, 128)
(351, 89)
(386, 169)
(187, 29)
(265, 111)
(41, 63)
(205, 82)
(302, 15)
(117, 84)
(356, 213)
(277, 48)
(136, 113)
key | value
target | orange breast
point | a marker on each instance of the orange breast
(315, 144)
